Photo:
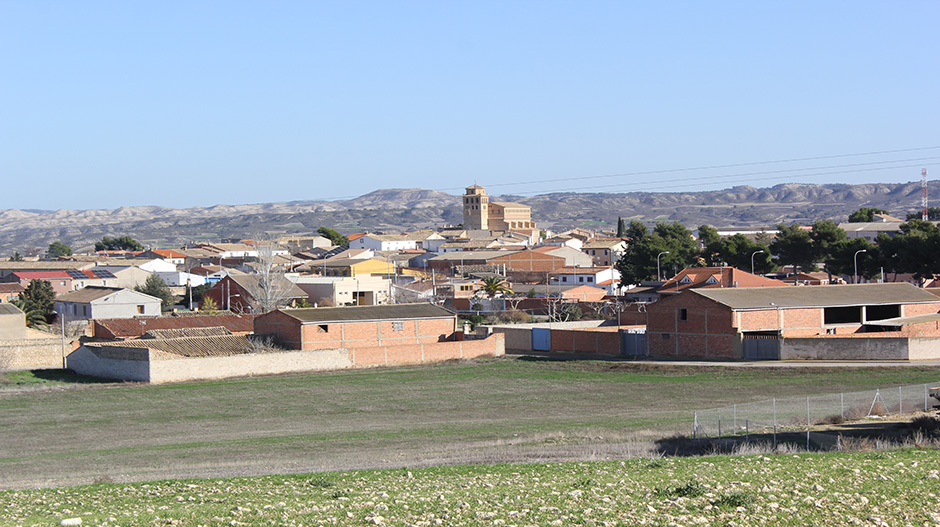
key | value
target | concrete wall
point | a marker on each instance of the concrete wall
(31, 354)
(13, 326)
(852, 348)
(137, 364)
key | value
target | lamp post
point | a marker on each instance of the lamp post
(659, 275)
(855, 258)
(755, 253)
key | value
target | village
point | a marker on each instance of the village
(495, 284)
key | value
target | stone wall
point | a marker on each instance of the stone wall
(31, 354)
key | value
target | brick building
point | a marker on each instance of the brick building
(752, 322)
(359, 326)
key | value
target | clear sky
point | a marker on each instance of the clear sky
(195, 103)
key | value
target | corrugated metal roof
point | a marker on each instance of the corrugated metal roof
(747, 298)
(364, 313)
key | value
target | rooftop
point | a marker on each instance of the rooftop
(367, 313)
(819, 296)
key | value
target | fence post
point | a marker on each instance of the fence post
(694, 425)
(775, 423)
(900, 402)
(719, 425)
(842, 404)
(807, 423)
(734, 417)
(925, 398)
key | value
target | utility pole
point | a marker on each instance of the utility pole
(923, 194)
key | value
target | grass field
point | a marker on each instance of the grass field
(879, 489)
(506, 410)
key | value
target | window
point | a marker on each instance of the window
(683, 314)
(323, 328)
(398, 325)
(665, 336)
(580, 279)
(564, 278)
(140, 309)
(590, 279)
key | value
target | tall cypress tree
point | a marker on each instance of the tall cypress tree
(621, 228)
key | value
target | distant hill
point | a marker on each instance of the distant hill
(741, 207)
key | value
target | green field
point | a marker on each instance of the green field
(880, 489)
(506, 410)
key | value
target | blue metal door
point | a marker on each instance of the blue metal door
(541, 339)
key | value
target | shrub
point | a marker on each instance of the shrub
(734, 499)
(926, 424)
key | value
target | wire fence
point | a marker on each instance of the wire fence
(799, 413)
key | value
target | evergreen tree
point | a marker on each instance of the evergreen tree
(155, 286)
(865, 214)
(123, 243)
(57, 249)
(39, 296)
(621, 228)
(17, 257)
(334, 236)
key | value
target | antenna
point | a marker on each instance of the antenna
(923, 193)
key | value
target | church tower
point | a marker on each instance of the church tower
(476, 205)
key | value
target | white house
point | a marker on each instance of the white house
(179, 278)
(384, 242)
(604, 277)
(339, 291)
(106, 302)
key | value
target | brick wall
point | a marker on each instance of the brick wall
(350, 335)
(588, 341)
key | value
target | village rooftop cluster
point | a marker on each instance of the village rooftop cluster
(495, 283)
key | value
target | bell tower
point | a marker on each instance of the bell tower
(476, 204)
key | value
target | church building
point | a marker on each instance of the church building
(479, 213)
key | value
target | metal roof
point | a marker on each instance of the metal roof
(754, 298)
(367, 313)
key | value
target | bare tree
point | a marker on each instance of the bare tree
(271, 290)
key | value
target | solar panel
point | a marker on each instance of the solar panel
(104, 274)
(76, 274)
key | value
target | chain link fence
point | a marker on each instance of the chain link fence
(798, 413)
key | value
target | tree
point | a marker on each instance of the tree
(58, 249)
(865, 214)
(334, 236)
(34, 316)
(271, 289)
(494, 285)
(621, 228)
(915, 250)
(155, 286)
(711, 243)
(670, 245)
(123, 243)
(209, 306)
(794, 246)
(933, 214)
(828, 239)
(17, 257)
(38, 296)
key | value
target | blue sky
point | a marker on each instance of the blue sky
(108, 104)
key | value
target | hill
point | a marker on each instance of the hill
(741, 207)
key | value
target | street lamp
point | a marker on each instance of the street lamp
(855, 258)
(755, 253)
(659, 275)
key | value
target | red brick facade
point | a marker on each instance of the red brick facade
(354, 334)
(691, 325)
